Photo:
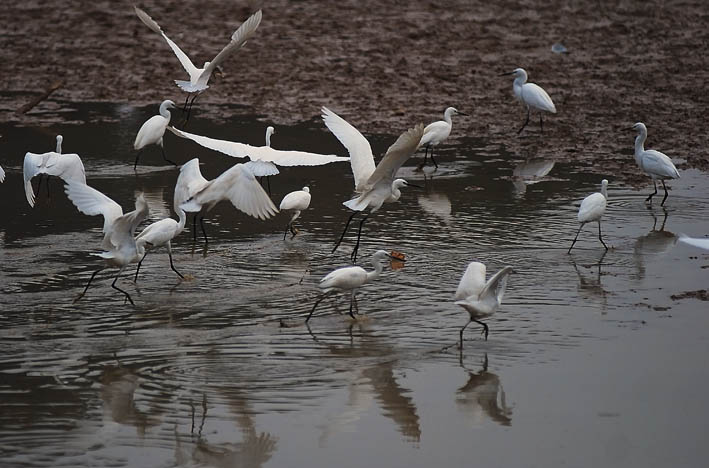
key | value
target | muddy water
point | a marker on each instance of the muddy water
(590, 361)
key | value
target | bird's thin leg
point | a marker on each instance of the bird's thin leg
(649, 197)
(461, 333)
(575, 238)
(194, 228)
(599, 235)
(189, 109)
(356, 306)
(541, 122)
(425, 158)
(315, 306)
(344, 232)
(169, 254)
(137, 270)
(433, 160)
(165, 157)
(525, 122)
(201, 223)
(293, 231)
(135, 164)
(661, 204)
(359, 235)
(268, 182)
(485, 328)
(89, 283)
(286, 233)
(113, 285)
(352, 299)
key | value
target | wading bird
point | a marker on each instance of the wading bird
(119, 242)
(653, 163)
(189, 182)
(531, 95)
(592, 209)
(296, 202)
(54, 163)
(437, 132)
(479, 298)
(350, 278)
(376, 186)
(153, 130)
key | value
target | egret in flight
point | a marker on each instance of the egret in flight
(375, 185)
(152, 131)
(592, 209)
(531, 95)
(653, 163)
(296, 202)
(265, 169)
(437, 132)
(54, 163)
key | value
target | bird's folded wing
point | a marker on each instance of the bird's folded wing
(238, 39)
(396, 155)
(659, 163)
(361, 157)
(472, 282)
(30, 168)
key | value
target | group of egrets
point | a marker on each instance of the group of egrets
(375, 184)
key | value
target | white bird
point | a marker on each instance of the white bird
(199, 77)
(119, 242)
(2, 175)
(240, 187)
(53, 163)
(350, 278)
(295, 201)
(437, 132)
(531, 95)
(695, 241)
(189, 182)
(376, 186)
(153, 130)
(479, 298)
(264, 168)
(592, 209)
(653, 163)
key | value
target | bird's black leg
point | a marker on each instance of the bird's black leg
(165, 157)
(425, 158)
(293, 231)
(525, 122)
(661, 204)
(461, 333)
(135, 164)
(184, 107)
(352, 299)
(356, 306)
(344, 232)
(541, 122)
(137, 270)
(194, 228)
(599, 235)
(201, 223)
(575, 238)
(359, 235)
(268, 182)
(113, 285)
(649, 197)
(189, 109)
(433, 160)
(286, 232)
(315, 306)
(89, 283)
(485, 328)
(169, 254)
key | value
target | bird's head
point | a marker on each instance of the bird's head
(306, 189)
(382, 256)
(639, 127)
(517, 73)
(453, 111)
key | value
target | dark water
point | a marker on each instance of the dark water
(590, 361)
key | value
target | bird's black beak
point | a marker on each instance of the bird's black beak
(397, 259)
(414, 185)
(462, 113)
(507, 73)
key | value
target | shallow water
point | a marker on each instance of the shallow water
(590, 361)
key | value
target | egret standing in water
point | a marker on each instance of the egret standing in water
(479, 298)
(351, 278)
(54, 163)
(296, 202)
(592, 209)
(376, 186)
(152, 131)
(653, 163)
(119, 229)
(437, 132)
(531, 95)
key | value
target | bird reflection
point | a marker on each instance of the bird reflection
(530, 172)
(252, 452)
(656, 242)
(590, 285)
(155, 196)
(438, 204)
(483, 395)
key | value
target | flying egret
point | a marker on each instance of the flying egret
(189, 182)
(153, 130)
(653, 163)
(119, 242)
(264, 168)
(531, 95)
(200, 76)
(350, 278)
(2, 175)
(437, 132)
(54, 163)
(240, 187)
(376, 186)
(592, 209)
(296, 202)
(479, 298)
(702, 243)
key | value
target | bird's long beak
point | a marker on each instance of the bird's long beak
(507, 73)
(397, 258)
(409, 184)
(462, 113)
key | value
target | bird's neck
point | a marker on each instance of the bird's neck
(182, 219)
(639, 146)
(165, 113)
(378, 267)
(604, 191)
(447, 117)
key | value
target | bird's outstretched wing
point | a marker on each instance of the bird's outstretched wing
(123, 229)
(30, 168)
(189, 182)
(396, 155)
(361, 157)
(472, 282)
(496, 285)
(91, 202)
(695, 241)
(67, 166)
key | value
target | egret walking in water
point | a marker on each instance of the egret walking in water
(119, 242)
(350, 278)
(296, 202)
(152, 131)
(481, 299)
(653, 163)
(376, 186)
(189, 182)
(531, 95)
(54, 163)
(437, 132)
(592, 209)
(199, 77)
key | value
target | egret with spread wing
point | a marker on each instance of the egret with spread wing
(54, 163)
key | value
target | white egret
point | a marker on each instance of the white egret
(653, 163)
(296, 202)
(53, 163)
(376, 186)
(350, 278)
(119, 242)
(531, 95)
(592, 209)
(702, 243)
(437, 132)
(189, 182)
(153, 130)
(199, 77)
(240, 187)
(264, 168)
(481, 299)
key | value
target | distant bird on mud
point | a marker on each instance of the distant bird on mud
(54, 163)
(592, 209)
(437, 132)
(531, 95)
(153, 130)
(653, 163)
(296, 202)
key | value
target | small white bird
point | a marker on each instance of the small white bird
(437, 132)
(653, 163)
(479, 298)
(199, 77)
(702, 243)
(531, 95)
(119, 242)
(592, 209)
(239, 186)
(152, 131)
(350, 278)
(376, 186)
(54, 163)
(264, 168)
(295, 201)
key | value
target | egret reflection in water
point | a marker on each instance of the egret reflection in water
(530, 172)
(483, 395)
(656, 242)
(590, 286)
